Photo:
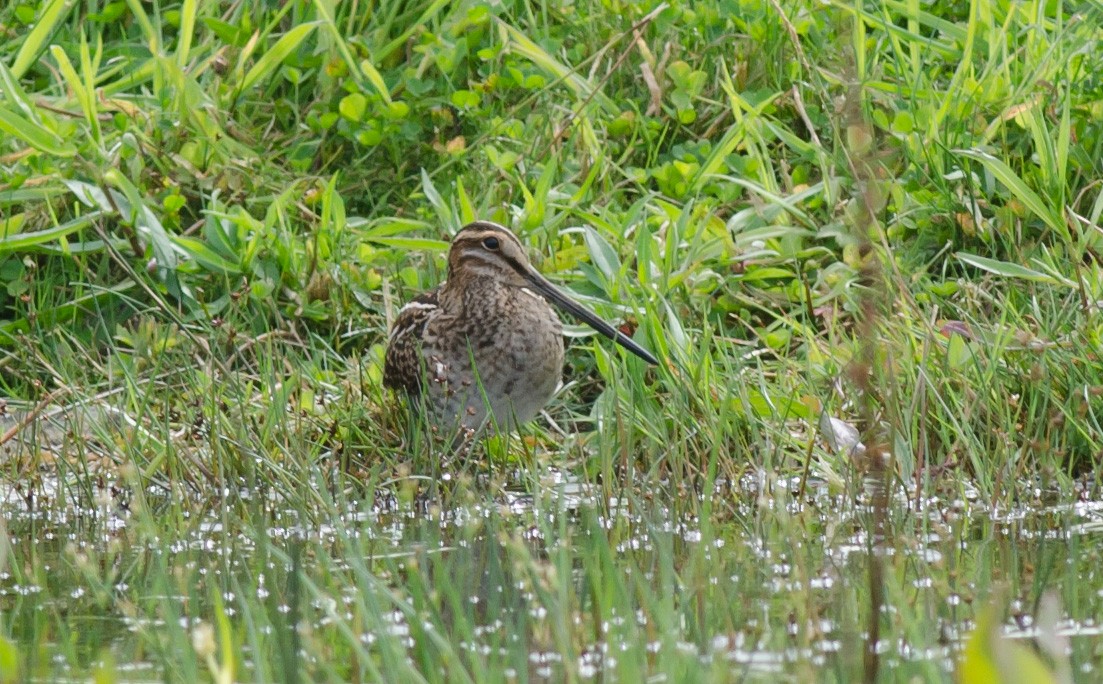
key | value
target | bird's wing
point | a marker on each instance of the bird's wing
(402, 368)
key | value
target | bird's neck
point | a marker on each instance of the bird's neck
(475, 293)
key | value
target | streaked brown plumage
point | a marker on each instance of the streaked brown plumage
(486, 338)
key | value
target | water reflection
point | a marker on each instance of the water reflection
(553, 577)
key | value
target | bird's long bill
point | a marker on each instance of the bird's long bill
(558, 298)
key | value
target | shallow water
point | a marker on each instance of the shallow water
(559, 580)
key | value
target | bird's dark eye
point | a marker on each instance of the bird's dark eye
(491, 243)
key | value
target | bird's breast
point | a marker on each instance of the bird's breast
(502, 351)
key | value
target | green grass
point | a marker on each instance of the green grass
(210, 212)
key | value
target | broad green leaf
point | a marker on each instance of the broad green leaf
(604, 257)
(465, 99)
(353, 106)
(90, 195)
(207, 257)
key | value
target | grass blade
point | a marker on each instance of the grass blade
(188, 13)
(36, 136)
(271, 60)
(22, 241)
(1020, 190)
(522, 45)
(39, 36)
(1009, 270)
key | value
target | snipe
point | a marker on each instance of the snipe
(485, 344)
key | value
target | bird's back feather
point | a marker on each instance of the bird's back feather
(402, 368)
